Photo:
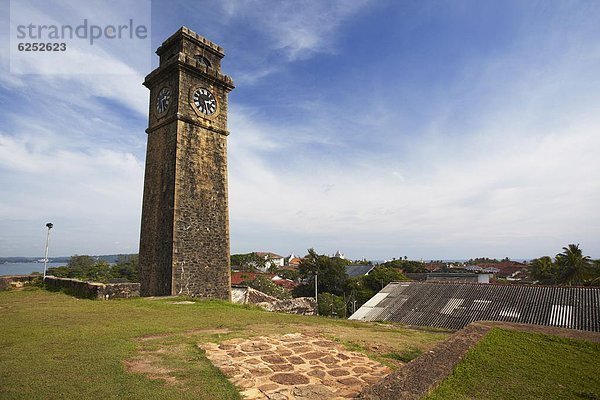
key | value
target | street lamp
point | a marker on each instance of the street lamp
(49, 225)
(316, 291)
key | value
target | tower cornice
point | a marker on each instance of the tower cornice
(184, 62)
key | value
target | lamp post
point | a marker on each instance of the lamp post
(316, 291)
(49, 225)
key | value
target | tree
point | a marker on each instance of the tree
(331, 305)
(127, 267)
(79, 265)
(266, 285)
(85, 268)
(380, 276)
(290, 274)
(408, 266)
(358, 293)
(249, 262)
(331, 273)
(544, 270)
(573, 266)
(360, 289)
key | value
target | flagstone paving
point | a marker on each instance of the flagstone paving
(293, 366)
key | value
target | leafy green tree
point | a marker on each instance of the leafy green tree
(249, 262)
(127, 267)
(594, 273)
(360, 289)
(408, 266)
(100, 272)
(266, 285)
(290, 274)
(572, 265)
(483, 260)
(331, 305)
(331, 273)
(79, 265)
(380, 276)
(85, 268)
(544, 270)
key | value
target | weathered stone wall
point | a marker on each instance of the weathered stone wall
(201, 231)
(248, 295)
(300, 305)
(184, 243)
(92, 290)
(16, 281)
(156, 236)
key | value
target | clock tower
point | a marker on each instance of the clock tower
(184, 240)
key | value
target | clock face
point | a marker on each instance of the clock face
(163, 100)
(205, 101)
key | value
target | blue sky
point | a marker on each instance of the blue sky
(431, 129)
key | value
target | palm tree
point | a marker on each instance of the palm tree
(543, 270)
(573, 265)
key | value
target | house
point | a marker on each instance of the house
(354, 270)
(339, 254)
(239, 277)
(271, 260)
(509, 270)
(450, 277)
(435, 266)
(292, 261)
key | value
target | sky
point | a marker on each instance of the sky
(380, 128)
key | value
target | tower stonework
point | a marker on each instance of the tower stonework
(184, 240)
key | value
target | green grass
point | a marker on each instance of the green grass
(53, 346)
(519, 365)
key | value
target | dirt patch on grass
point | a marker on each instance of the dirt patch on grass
(190, 332)
(151, 365)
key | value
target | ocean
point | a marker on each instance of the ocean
(25, 268)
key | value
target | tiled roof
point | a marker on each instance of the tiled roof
(268, 254)
(506, 268)
(453, 306)
(295, 261)
(238, 277)
(358, 270)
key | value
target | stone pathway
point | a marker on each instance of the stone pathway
(293, 366)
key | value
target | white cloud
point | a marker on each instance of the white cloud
(92, 197)
(511, 186)
(297, 30)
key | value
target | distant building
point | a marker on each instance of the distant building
(292, 261)
(271, 260)
(509, 270)
(339, 254)
(239, 277)
(465, 277)
(354, 270)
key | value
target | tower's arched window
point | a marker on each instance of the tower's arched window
(201, 60)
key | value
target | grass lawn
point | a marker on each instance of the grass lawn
(53, 346)
(519, 365)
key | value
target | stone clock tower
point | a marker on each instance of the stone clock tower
(184, 242)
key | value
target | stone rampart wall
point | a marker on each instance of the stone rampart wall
(248, 295)
(92, 290)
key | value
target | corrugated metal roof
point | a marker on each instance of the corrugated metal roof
(453, 306)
